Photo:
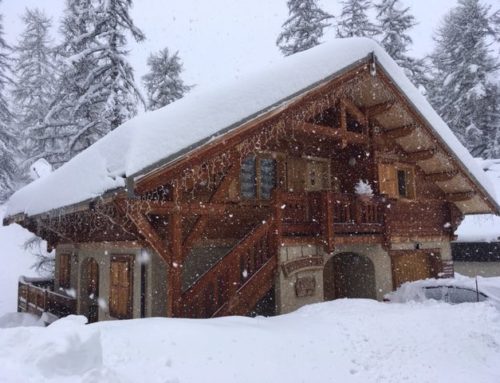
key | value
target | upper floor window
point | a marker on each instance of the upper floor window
(257, 177)
(396, 181)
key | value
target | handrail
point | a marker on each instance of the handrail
(221, 282)
(37, 299)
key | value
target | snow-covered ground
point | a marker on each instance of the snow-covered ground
(339, 341)
(15, 261)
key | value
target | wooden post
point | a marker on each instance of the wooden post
(278, 218)
(328, 218)
(357, 211)
(175, 275)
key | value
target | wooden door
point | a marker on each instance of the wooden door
(413, 265)
(121, 285)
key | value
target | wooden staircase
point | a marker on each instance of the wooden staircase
(237, 282)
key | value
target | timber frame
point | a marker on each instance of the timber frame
(193, 201)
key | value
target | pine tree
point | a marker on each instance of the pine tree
(8, 138)
(163, 82)
(96, 91)
(304, 28)
(394, 22)
(34, 88)
(118, 84)
(466, 90)
(354, 21)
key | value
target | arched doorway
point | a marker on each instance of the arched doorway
(90, 289)
(349, 275)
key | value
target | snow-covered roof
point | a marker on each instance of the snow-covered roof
(167, 133)
(483, 227)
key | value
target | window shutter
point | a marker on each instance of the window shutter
(387, 176)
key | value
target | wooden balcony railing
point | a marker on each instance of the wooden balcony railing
(36, 296)
(320, 213)
(239, 277)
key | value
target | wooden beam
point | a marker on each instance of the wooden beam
(441, 177)
(461, 196)
(150, 235)
(334, 133)
(400, 132)
(354, 111)
(328, 218)
(416, 114)
(156, 177)
(218, 195)
(420, 155)
(375, 110)
(174, 279)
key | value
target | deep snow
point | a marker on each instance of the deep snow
(339, 341)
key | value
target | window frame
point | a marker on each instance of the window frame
(258, 158)
(393, 190)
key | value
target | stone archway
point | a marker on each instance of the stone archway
(90, 289)
(349, 275)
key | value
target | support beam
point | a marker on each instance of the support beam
(174, 279)
(218, 195)
(400, 132)
(441, 177)
(461, 196)
(150, 235)
(354, 111)
(375, 110)
(421, 155)
(335, 134)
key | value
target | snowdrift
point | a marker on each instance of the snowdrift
(340, 341)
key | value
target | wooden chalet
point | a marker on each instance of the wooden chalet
(259, 216)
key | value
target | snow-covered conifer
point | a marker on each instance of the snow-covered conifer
(96, 91)
(354, 20)
(394, 22)
(117, 80)
(466, 90)
(8, 138)
(304, 28)
(163, 83)
(35, 79)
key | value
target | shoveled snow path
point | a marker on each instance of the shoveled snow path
(340, 341)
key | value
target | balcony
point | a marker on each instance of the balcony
(37, 296)
(327, 215)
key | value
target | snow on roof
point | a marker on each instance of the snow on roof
(483, 227)
(164, 134)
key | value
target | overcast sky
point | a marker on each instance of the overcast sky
(218, 39)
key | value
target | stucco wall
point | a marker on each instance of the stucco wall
(381, 262)
(286, 298)
(155, 287)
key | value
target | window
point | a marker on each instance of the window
(257, 177)
(65, 271)
(396, 181)
(120, 295)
